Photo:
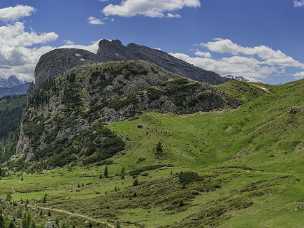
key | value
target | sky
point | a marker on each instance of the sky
(261, 40)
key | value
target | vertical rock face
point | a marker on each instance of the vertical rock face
(115, 50)
(61, 60)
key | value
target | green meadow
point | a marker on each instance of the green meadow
(232, 168)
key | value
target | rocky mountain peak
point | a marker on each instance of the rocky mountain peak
(59, 61)
(115, 50)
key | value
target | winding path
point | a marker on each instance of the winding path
(71, 214)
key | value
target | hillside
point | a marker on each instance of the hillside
(235, 168)
(62, 113)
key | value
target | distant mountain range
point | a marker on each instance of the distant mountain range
(13, 86)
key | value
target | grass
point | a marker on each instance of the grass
(253, 155)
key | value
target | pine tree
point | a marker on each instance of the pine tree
(159, 150)
(136, 182)
(123, 173)
(44, 198)
(12, 225)
(2, 223)
(106, 172)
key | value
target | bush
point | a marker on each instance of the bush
(188, 177)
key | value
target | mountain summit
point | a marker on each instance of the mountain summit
(114, 50)
(60, 61)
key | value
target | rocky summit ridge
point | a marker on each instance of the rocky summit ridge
(59, 61)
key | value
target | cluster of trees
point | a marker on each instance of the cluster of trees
(26, 222)
(11, 109)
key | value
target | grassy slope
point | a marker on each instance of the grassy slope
(255, 153)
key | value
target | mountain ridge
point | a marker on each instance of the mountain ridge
(61, 60)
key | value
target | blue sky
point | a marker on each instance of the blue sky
(258, 39)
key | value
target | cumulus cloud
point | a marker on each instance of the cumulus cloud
(95, 21)
(266, 54)
(149, 8)
(15, 13)
(298, 3)
(299, 75)
(20, 50)
(254, 63)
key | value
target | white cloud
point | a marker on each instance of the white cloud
(203, 54)
(173, 15)
(298, 3)
(299, 75)
(254, 63)
(20, 50)
(249, 68)
(14, 13)
(266, 54)
(149, 8)
(95, 21)
(92, 47)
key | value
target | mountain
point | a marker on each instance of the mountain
(59, 61)
(115, 50)
(13, 86)
(10, 82)
(63, 113)
(127, 143)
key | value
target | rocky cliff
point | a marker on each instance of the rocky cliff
(66, 117)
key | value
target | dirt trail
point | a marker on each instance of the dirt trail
(71, 214)
(263, 88)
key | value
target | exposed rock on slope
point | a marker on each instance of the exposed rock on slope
(115, 50)
(61, 60)
(64, 119)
